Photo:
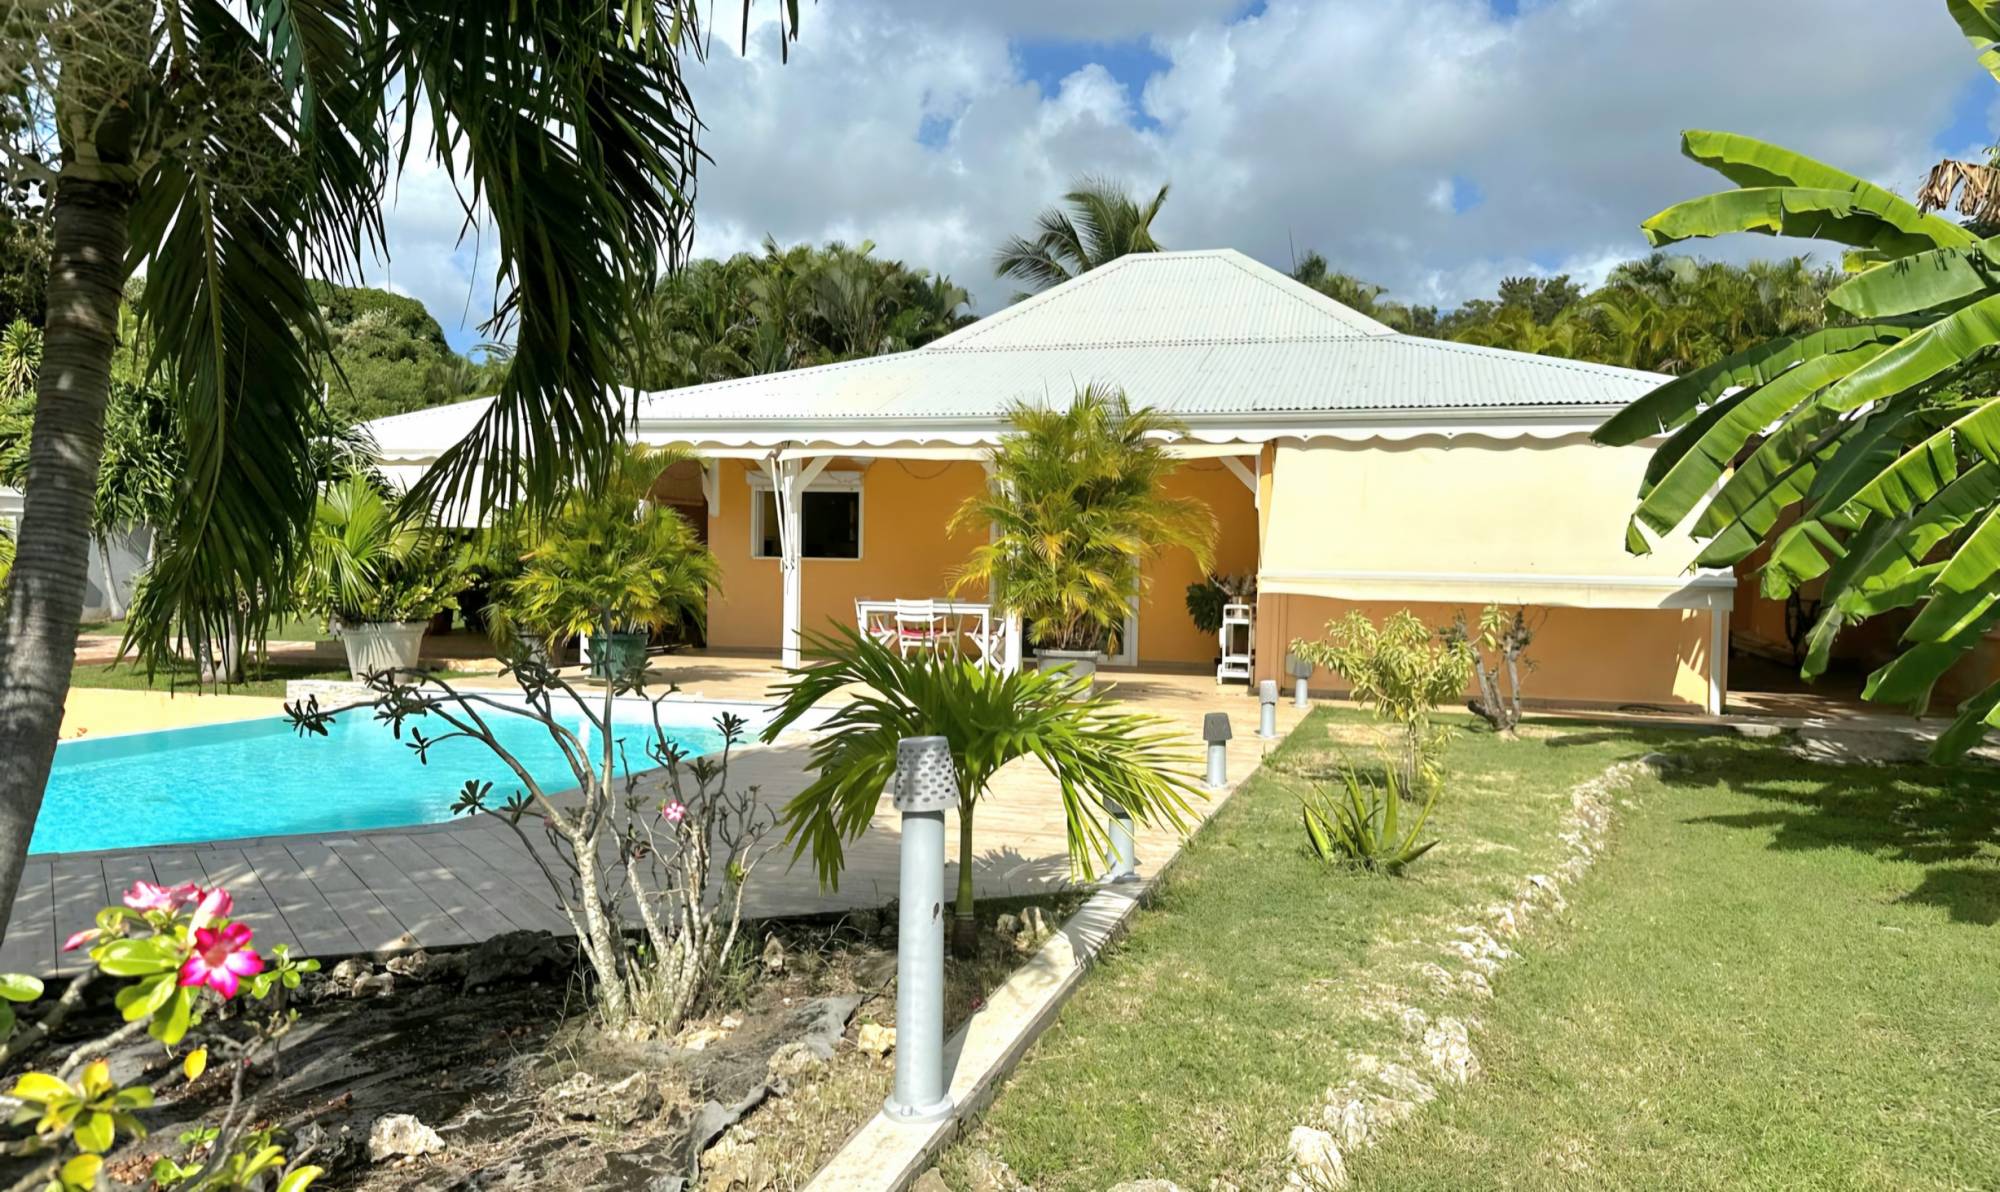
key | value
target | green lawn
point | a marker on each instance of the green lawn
(260, 679)
(1779, 975)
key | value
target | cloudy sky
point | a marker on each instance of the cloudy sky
(1432, 146)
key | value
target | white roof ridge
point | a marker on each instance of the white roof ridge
(1563, 362)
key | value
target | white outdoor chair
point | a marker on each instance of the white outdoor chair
(876, 623)
(919, 626)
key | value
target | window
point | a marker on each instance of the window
(829, 520)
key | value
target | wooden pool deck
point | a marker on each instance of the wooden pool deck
(447, 885)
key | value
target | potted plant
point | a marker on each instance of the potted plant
(1077, 506)
(610, 567)
(376, 574)
(1207, 597)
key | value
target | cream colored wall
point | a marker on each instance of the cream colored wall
(1463, 505)
(1594, 656)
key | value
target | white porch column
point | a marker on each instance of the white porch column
(789, 481)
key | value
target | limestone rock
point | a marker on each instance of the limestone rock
(773, 957)
(875, 1039)
(515, 956)
(398, 1135)
(425, 967)
(1145, 1186)
(794, 1060)
(987, 1172)
(930, 1181)
(1316, 1161)
(1448, 1049)
(698, 1038)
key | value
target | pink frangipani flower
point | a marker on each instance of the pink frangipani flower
(674, 812)
(145, 896)
(220, 958)
(215, 904)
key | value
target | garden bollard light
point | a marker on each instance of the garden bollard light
(924, 786)
(1301, 671)
(1215, 730)
(1124, 844)
(1267, 709)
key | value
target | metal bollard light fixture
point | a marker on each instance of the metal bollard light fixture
(1215, 731)
(1124, 844)
(1301, 670)
(925, 786)
(1267, 709)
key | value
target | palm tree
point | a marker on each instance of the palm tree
(1103, 223)
(1878, 432)
(1076, 509)
(1094, 752)
(233, 150)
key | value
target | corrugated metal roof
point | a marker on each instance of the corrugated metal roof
(1210, 333)
(1214, 296)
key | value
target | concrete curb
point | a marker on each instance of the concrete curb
(889, 1156)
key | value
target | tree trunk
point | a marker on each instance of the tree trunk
(964, 927)
(52, 551)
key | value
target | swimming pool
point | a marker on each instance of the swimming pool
(259, 778)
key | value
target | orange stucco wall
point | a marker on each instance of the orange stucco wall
(1166, 634)
(1581, 655)
(906, 553)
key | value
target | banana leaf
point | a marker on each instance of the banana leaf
(1728, 425)
(1975, 716)
(1922, 471)
(1908, 680)
(1678, 400)
(1965, 587)
(1979, 20)
(1942, 278)
(1951, 341)
(1776, 474)
(1860, 220)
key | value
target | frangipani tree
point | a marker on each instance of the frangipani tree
(234, 151)
(1879, 433)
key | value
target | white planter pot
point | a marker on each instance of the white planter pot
(1081, 664)
(383, 645)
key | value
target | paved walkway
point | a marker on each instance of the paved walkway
(451, 884)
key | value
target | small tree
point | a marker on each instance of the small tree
(1498, 645)
(1076, 508)
(662, 838)
(1092, 751)
(1402, 672)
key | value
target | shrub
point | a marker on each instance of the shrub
(1358, 823)
(183, 960)
(1205, 599)
(1504, 639)
(1402, 672)
(662, 838)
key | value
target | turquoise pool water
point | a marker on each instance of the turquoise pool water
(259, 778)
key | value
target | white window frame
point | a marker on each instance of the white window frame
(845, 482)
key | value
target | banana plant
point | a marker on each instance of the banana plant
(1878, 436)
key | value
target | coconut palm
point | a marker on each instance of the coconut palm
(231, 151)
(1879, 431)
(1103, 223)
(1077, 508)
(1094, 752)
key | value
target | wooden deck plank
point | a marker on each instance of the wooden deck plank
(31, 941)
(465, 906)
(500, 894)
(377, 932)
(79, 893)
(504, 853)
(252, 905)
(317, 928)
(123, 869)
(421, 918)
(322, 866)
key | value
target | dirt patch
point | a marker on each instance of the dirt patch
(495, 1049)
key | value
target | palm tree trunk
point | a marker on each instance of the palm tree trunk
(964, 927)
(52, 551)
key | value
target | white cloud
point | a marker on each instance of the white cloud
(1350, 126)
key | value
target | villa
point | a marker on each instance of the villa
(1348, 465)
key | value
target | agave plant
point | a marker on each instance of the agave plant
(1881, 432)
(1357, 823)
(1094, 752)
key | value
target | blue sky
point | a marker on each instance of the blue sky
(1432, 146)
